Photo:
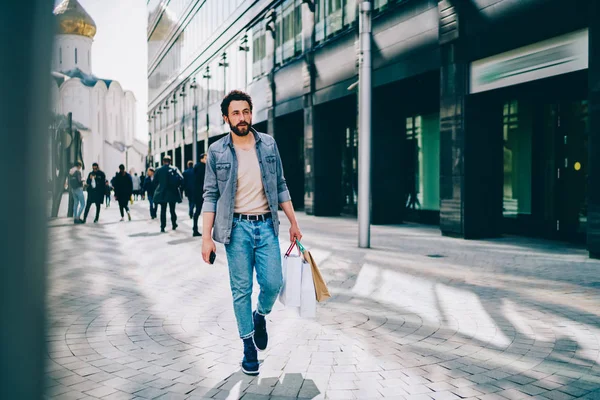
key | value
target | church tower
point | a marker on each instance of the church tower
(73, 41)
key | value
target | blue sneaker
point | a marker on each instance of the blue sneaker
(250, 363)
(261, 337)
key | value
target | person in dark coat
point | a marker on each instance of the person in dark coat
(123, 186)
(168, 183)
(198, 198)
(188, 185)
(148, 188)
(142, 182)
(107, 191)
(96, 182)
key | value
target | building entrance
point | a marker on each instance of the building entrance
(545, 158)
(566, 124)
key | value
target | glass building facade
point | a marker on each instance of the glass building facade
(484, 129)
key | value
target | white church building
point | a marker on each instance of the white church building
(102, 106)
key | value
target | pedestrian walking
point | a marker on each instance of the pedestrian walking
(149, 187)
(189, 183)
(136, 186)
(142, 181)
(76, 185)
(243, 186)
(107, 191)
(199, 170)
(168, 183)
(96, 190)
(123, 186)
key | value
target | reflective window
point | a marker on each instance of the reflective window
(517, 134)
(202, 26)
(259, 49)
(422, 158)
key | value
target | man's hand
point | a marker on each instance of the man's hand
(208, 245)
(295, 233)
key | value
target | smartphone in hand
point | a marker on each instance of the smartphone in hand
(212, 257)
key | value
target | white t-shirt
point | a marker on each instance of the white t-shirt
(250, 196)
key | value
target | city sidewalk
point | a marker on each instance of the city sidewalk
(133, 313)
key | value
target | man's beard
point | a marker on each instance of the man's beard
(237, 131)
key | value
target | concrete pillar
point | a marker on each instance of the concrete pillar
(27, 26)
(271, 93)
(308, 78)
(470, 152)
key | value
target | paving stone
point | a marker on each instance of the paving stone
(101, 391)
(557, 395)
(491, 318)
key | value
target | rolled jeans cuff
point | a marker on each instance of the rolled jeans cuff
(251, 334)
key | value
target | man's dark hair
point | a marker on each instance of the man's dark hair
(78, 164)
(167, 159)
(121, 167)
(190, 164)
(202, 156)
(95, 164)
(234, 95)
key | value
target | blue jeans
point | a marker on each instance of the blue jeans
(253, 245)
(152, 207)
(78, 202)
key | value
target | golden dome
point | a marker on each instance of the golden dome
(74, 20)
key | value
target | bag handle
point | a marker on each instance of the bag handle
(300, 247)
(289, 250)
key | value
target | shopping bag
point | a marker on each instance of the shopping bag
(308, 306)
(321, 291)
(290, 294)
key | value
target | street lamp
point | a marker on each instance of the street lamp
(193, 87)
(207, 77)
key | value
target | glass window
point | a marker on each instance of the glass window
(320, 20)
(423, 162)
(349, 12)
(298, 45)
(334, 16)
(288, 36)
(278, 35)
(258, 49)
(517, 132)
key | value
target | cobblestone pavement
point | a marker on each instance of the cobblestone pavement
(133, 313)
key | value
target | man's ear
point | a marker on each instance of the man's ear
(226, 119)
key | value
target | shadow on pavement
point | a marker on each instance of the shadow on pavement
(145, 234)
(240, 385)
(182, 241)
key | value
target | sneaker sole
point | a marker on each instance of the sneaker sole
(252, 373)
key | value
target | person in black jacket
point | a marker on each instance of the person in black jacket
(188, 185)
(107, 192)
(95, 188)
(123, 186)
(198, 199)
(168, 183)
(148, 188)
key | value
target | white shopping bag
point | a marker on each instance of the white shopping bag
(290, 294)
(308, 306)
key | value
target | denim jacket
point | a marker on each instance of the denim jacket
(220, 182)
